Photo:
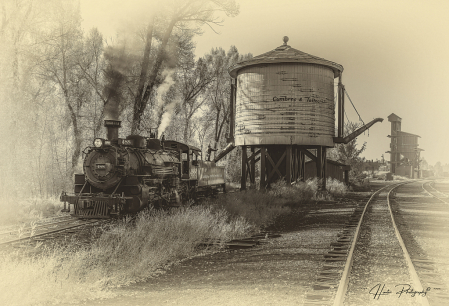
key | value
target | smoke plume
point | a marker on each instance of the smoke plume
(115, 75)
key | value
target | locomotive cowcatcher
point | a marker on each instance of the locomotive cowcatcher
(123, 176)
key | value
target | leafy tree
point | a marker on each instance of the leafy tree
(424, 165)
(219, 91)
(349, 153)
(438, 168)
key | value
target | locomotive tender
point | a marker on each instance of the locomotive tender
(123, 176)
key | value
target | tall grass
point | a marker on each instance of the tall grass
(302, 192)
(258, 208)
(157, 238)
(261, 208)
(127, 252)
(297, 193)
(335, 187)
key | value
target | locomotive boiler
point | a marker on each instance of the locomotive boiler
(125, 175)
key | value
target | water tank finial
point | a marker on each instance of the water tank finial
(285, 40)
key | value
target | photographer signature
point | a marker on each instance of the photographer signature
(403, 289)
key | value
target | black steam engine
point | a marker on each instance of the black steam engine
(124, 176)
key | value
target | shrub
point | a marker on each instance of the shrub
(299, 192)
(258, 208)
(335, 187)
(302, 192)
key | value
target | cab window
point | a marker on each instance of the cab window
(185, 164)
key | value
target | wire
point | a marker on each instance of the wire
(346, 116)
(347, 95)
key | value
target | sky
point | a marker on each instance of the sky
(394, 54)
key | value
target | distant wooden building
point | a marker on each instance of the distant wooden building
(404, 151)
(334, 170)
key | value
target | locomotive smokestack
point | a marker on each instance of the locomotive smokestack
(112, 127)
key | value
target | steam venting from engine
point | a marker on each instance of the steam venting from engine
(169, 108)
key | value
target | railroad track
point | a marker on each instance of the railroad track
(378, 269)
(378, 265)
(441, 196)
(33, 226)
(42, 232)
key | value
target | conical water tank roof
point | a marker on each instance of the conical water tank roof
(286, 54)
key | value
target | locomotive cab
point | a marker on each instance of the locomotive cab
(188, 155)
(205, 176)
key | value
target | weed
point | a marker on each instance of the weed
(127, 252)
(258, 208)
(13, 211)
(335, 187)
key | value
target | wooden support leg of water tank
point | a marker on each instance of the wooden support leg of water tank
(294, 167)
(263, 152)
(268, 166)
(288, 164)
(301, 165)
(275, 166)
(321, 167)
(243, 178)
(253, 167)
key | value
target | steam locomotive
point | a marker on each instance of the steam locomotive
(123, 176)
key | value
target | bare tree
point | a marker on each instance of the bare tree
(201, 128)
(92, 64)
(22, 98)
(57, 63)
(219, 91)
(177, 15)
(194, 82)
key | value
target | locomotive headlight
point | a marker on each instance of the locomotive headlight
(98, 142)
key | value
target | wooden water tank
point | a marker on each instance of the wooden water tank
(285, 97)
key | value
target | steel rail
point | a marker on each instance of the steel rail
(411, 268)
(343, 284)
(30, 228)
(48, 232)
(433, 195)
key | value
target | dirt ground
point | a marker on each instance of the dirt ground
(279, 271)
